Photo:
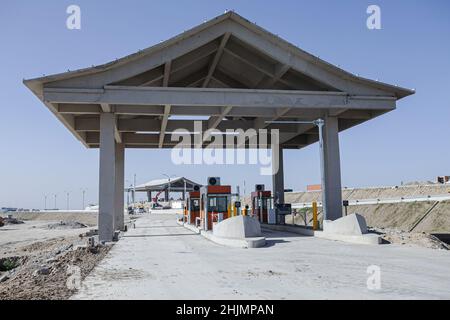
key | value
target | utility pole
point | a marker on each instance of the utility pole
(67, 199)
(55, 200)
(45, 202)
(134, 189)
(83, 191)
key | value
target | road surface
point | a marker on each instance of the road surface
(161, 260)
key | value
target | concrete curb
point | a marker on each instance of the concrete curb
(256, 242)
(371, 239)
(288, 228)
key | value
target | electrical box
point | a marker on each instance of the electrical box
(281, 210)
(259, 187)
(213, 181)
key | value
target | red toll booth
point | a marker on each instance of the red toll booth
(261, 203)
(192, 210)
(215, 201)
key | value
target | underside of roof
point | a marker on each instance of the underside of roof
(227, 73)
(176, 184)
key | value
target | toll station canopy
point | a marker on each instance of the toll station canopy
(232, 73)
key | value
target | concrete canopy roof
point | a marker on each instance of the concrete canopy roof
(176, 184)
(228, 70)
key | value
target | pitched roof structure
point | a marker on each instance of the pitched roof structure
(228, 70)
(176, 184)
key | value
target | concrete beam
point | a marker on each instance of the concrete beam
(216, 59)
(218, 97)
(107, 185)
(214, 121)
(164, 125)
(105, 107)
(72, 108)
(154, 125)
(280, 71)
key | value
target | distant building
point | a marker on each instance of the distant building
(443, 179)
(314, 187)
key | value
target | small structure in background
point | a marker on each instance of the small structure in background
(215, 203)
(166, 186)
(314, 187)
(192, 207)
(443, 179)
(262, 203)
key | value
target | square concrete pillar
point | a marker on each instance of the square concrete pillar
(332, 188)
(107, 190)
(278, 175)
(166, 195)
(120, 186)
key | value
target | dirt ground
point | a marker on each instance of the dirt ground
(44, 267)
(411, 239)
(37, 257)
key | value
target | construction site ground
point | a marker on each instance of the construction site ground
(160, 259)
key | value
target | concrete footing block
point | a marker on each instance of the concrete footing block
(239, 227)
(351, 228)
(235, 242)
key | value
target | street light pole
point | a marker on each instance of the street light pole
(67, 199)
(83, 192)
(45, 202)
(55, 200)
(134, 189)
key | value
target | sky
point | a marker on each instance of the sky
(40, 157)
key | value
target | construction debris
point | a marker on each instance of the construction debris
(44, 271)
(62, 225)
(405, 238)
(9, 220)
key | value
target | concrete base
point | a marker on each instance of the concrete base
(239, 227)
(249, 242)
(353, 224)
(352, 228)
(253, 242)
(347, 229)
(361, 239)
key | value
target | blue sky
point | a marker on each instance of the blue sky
(39, 156)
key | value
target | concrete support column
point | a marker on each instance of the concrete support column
(278, 175)
(107, 177)
(149, 196)
(166, 195)
(332, 189)
(120, 185)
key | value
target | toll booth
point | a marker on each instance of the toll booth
(192, 208)
(215, 203)
(262, 203)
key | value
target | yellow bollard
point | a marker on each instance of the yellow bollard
(315, 222)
